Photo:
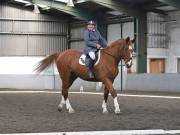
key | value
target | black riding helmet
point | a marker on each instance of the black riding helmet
(91, 22)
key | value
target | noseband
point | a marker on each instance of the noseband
(128, 63)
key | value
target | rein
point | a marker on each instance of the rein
(109, 54)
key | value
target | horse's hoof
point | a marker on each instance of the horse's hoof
(59, 108)
(105, 112)
(118, 112)
(71, 111)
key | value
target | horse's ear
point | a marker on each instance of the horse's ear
(127, 39)
(133, 41)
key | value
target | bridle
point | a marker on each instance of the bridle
(129, 62)
(126, 62)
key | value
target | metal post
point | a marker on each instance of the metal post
(69, 36)
(54, 76)
(121, 76)
(135, 36)
(121, 62)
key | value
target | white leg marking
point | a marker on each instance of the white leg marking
(68, 106)
(62, 103)
(116, 105)
(104, 106)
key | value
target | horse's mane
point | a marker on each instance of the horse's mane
(119, 41)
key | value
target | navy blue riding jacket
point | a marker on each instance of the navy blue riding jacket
(92, 38)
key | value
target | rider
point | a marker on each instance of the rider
(93, 42)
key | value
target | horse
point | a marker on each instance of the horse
(105, 71)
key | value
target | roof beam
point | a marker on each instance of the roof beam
(81, 1)
(119, 6)
(62, 7)
(154, 5)
(157, 11)
(174, 3)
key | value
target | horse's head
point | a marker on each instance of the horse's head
(128, 52)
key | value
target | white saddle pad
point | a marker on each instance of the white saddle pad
(83, 57)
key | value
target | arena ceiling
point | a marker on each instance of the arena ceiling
(83, 9)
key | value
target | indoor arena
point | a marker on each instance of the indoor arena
(89, 67)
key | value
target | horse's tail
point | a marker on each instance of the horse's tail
(45, 63)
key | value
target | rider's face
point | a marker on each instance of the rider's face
(90, 26)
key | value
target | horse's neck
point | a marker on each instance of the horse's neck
(114, 50)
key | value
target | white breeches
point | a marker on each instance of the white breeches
(92, 55)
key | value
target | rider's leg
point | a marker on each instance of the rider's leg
(92, 55)
(91, 63)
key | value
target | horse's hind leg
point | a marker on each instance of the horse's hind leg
(66, 83)
(104, 104)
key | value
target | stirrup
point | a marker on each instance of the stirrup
(91, 75)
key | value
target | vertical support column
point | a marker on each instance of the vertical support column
(141, 42)
(27, 45)
(135, 36)
(103, 30)
(121, 61)
(100, 25)
(69, 36)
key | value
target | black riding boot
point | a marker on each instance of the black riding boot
(91, 64)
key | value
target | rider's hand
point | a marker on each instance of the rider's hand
(98, 46)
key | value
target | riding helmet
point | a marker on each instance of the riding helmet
(91, 22)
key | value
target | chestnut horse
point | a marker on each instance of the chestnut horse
(105, 71)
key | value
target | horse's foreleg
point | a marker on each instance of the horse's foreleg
(104, 104)
(116, 105)
(113, 92)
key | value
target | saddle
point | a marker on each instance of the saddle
(83, 60)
